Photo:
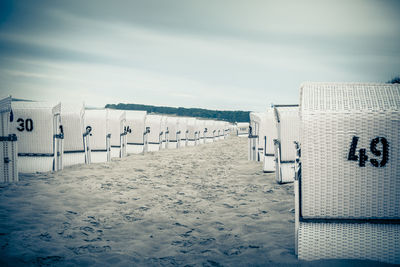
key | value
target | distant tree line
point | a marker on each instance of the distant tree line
(395, 80)
(230, 116)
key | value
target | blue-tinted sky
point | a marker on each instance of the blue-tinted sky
(210, 54)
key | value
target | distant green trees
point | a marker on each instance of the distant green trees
(230, 116)
(395, 80)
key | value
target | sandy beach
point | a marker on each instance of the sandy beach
(196, 206)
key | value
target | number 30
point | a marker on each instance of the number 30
(25, 125)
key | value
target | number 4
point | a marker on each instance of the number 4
(352, 153)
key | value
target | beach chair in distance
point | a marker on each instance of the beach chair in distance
(347, 187)
(173, 133)
(97, 127)
(118, 129)
(270, 133)
(209, 132)
(40, 136)
(8, 144)
(201, 131)
(287, 126)
(183, 131)
(136, 136)
(242, 129)
(76, 143)
(256, 135)
(164, 132)
(155, 132)
(192, 131)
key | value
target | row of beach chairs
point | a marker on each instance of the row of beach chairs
(341, 148)
(42, 137)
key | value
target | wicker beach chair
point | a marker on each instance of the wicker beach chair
(270, 133)
(242, 129)
(347, 188)
(174, 134)
(192, 131)
(164, 132)
(155, 135)
(119, 131)
(97, 124)
(136, 137)
(256, 121)
(287, 127)
(8, 144)
(40, 136)
(76, 136)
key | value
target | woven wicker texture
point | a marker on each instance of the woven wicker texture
(134, 149)
(154, 122)
(72, 118)
(98, 157)
(35, 164)
(5, 109)
(5, 104)
(9, 171)
(333, 186)
(70, 159)
(136, 121)
(8, 160)
(97, 119)
(153, 147)
(34, 126)
(377, 242)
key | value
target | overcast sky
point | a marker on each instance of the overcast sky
(233, 55)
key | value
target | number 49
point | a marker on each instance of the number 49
(362, 154)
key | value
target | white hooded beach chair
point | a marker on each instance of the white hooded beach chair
(227, 129)
(174, 133)
(242, 129)
(40, 136)
(202, 131)
(220, 130)
(137, 136)
(76, 136)
(183, 131)
(270, 134)
(8, 144)
(97, 126)
(199, 132)
(119, 130)
(164, 129)
(347, 187)
(155, 135)
(256, 135)
(192, 129)
(287, 125)
(209, 131)
(233, 129)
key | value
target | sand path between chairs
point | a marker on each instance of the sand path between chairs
(196, 206)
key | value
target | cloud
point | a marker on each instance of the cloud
(211, 54)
